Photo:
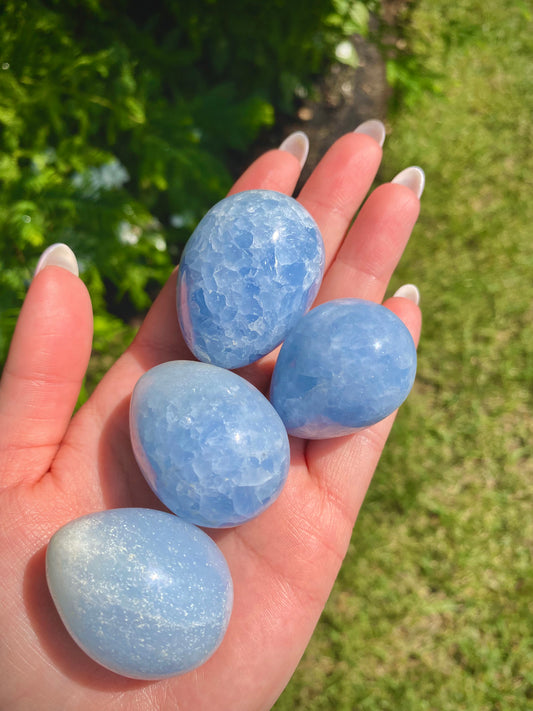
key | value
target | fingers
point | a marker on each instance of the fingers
(332, 194)
(363, 266)
(407, 309)
(373, 246)
(44, 371)
(365, 259)
(276, 170)
(338, 186)
(343, 468)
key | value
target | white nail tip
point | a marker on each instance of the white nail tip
(373, 128)
(58, 255)
(413, 178)
(297, 144)
(408, 291)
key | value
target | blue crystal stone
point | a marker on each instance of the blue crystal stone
(249, 271)
(209, 444)
(141, 592)
(348, 364)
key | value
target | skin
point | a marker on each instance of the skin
(55, 467)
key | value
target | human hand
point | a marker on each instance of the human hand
(55, 467)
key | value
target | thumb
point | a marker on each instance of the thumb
(45, 367)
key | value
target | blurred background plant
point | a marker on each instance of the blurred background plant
(118, 123)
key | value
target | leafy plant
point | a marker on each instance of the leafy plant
(118, 124)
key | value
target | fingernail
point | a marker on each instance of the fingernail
(413, 178)
(58, 255)
(409, 291)
(298, 145)
(373, 128)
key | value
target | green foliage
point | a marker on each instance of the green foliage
(118, 122)
(410, 80)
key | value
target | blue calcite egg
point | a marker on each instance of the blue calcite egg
(210, 445)
(348, 364)
(143, 593)
(249, 271)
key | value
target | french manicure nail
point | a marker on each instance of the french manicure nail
(373, 128)
(413, 178)
(409, 291)
(58, 255)
(298, 145)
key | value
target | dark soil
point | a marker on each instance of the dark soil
(345, 97)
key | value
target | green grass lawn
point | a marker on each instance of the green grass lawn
(433, 609)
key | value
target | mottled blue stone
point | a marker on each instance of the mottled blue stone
(142, 592)
(249, 271)
(348, 364)
(210, 445)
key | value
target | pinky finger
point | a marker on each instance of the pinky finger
(328, 457)
(405, 304)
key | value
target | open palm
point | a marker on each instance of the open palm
(55, 467)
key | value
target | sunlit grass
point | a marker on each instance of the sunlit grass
(432, 609)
